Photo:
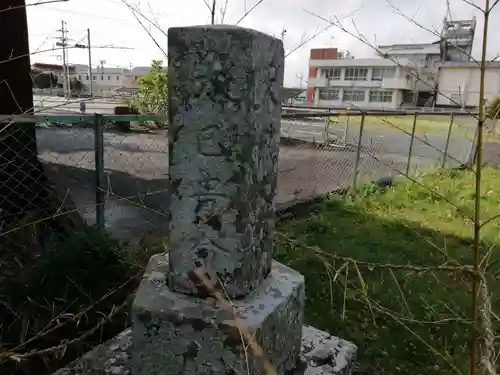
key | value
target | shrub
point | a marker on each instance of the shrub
(66, 277)
(493, 109)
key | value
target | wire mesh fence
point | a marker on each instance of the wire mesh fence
(120, 180)
(351, 148)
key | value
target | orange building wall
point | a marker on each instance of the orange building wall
(319, 54)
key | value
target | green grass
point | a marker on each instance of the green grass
(428, 124)
(404, 321)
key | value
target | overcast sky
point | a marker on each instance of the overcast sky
(112, 23)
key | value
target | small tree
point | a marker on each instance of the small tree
(152, 92)
(76, 85)
(45, 80)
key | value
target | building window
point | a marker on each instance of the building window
(356, 74)
(117, 78)
(378, 74)
(87, 77)
(79, 78)
(353, 95)
(332, 73)
(381, 96)
(93, 78)
(329, 94)
(102, 77)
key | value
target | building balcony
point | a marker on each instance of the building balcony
(317, 82)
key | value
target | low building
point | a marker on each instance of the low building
(105, 80)
(458, 84)
(361, 83)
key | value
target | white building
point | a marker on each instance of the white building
(403, 75)
(365, 83)
(104, 80)
(458, 84)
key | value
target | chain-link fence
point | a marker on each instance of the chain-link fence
(331, 151)
(120, 179)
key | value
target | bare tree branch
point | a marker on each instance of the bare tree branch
(223, 12)
(474, 5)
(134, 13)
(493, 5)
(34, 4)
(433, 32)
(307, 40)
(248, 12)
(208, 5)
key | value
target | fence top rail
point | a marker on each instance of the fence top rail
(373, 113)
(76, 118)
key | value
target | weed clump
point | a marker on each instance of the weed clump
(43, 296)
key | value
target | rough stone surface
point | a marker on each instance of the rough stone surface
(224, 107)
(175, 333)
(324, 354)
(110, 358)
(321, 354)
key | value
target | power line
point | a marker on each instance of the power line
(89, 15)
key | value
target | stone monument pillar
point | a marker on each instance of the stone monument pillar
(225, 109)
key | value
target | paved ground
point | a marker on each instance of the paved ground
(137, 169)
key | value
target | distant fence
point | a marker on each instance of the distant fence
(97, 92)
(119, 180)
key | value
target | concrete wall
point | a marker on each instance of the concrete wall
(461, 84)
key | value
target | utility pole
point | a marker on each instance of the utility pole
(301, 78)
(102, 75)
(91, 92)
(88, 47)
(63, 43)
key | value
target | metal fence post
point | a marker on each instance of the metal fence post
(327, 127)
(358, 153)
(99, 170)
(445, 154)
(346, 127)
(411, 143)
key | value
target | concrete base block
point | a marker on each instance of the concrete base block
(174, 333)
(321, 354)
(324, 354)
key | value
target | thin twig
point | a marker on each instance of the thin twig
(256, 349)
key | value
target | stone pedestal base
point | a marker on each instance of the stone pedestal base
(320, 354)
(175, 333)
